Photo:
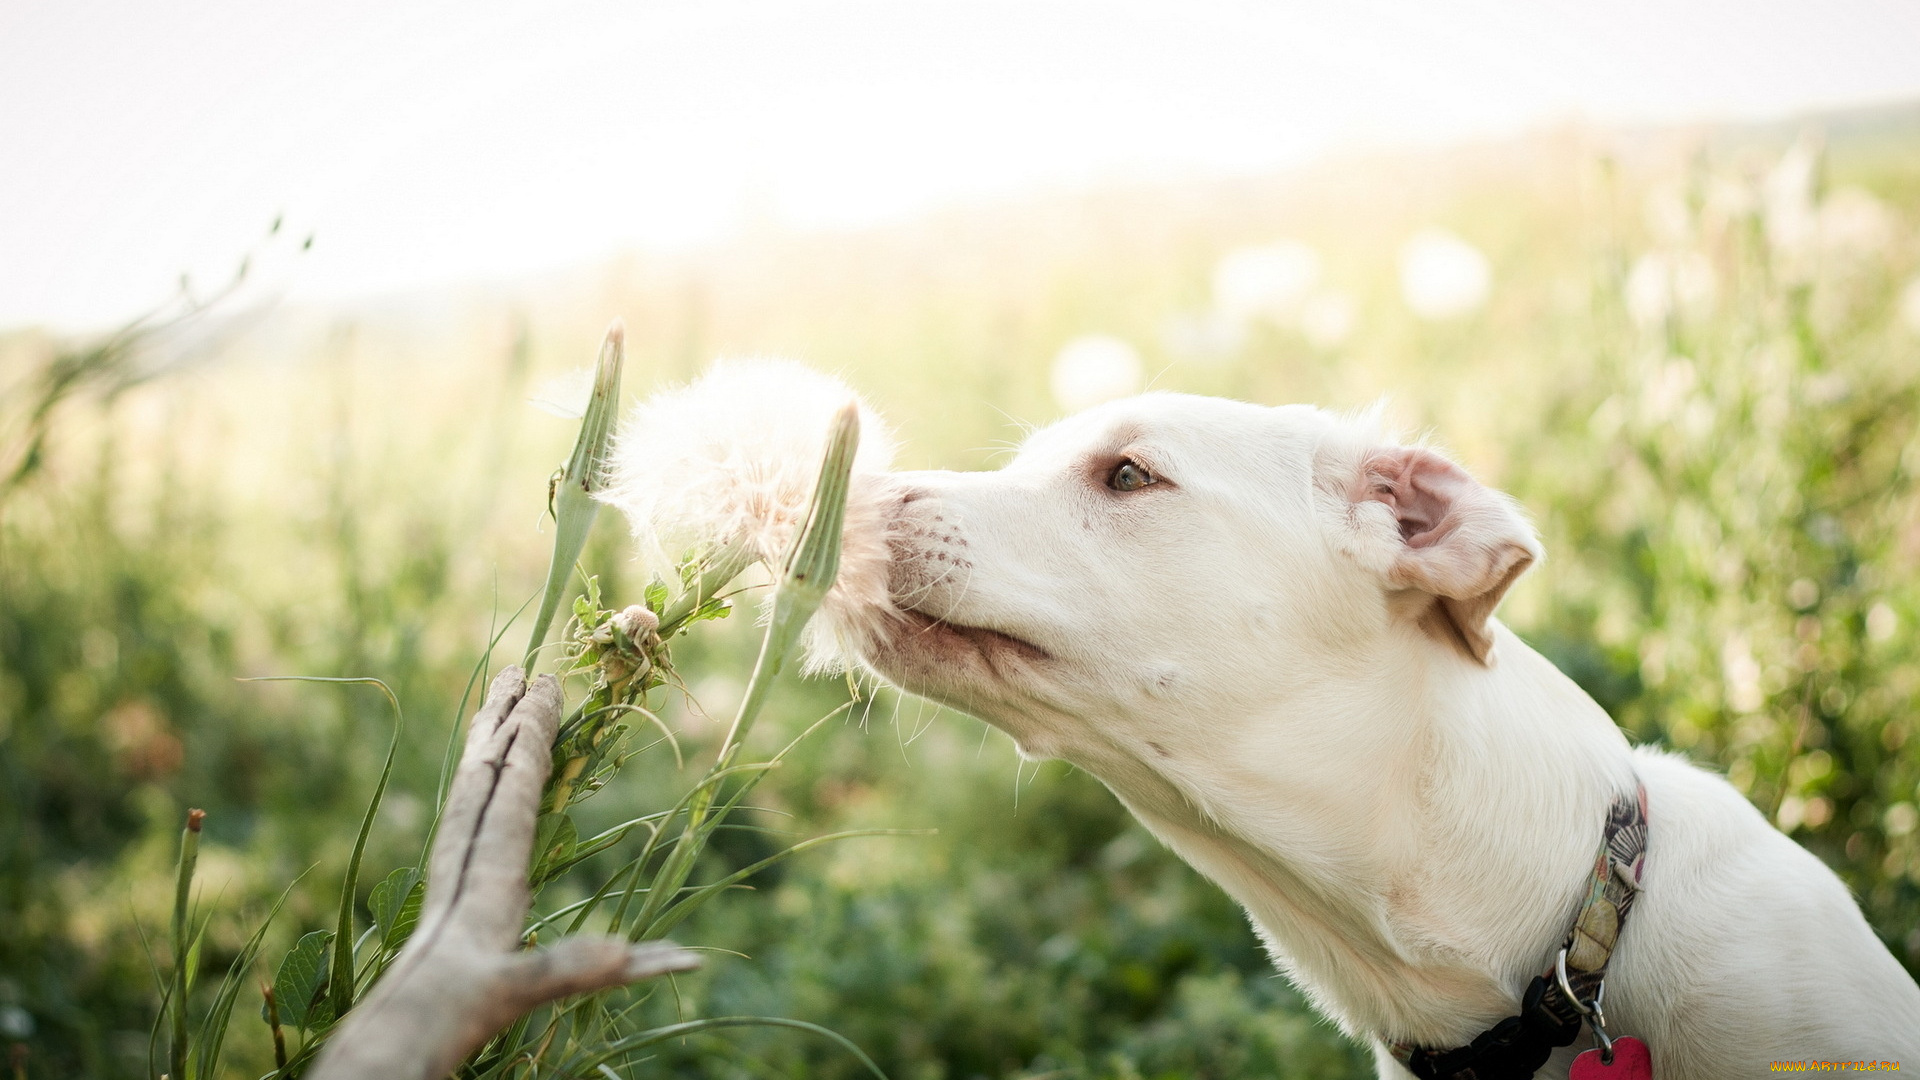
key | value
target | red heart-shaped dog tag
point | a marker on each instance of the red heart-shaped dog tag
(1631, 1061)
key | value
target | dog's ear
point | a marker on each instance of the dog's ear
(1460, 542)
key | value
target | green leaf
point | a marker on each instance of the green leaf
(554, 838)
(655, 596)
(395, 904)
(717, 608)
(301, 983)
(340, 985)
(193, 959)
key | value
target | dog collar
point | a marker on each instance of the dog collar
(1570, 992)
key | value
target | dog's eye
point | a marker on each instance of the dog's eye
(1129, 476)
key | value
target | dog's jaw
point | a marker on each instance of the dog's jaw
(931, 643)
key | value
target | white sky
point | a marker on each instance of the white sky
(434, 142)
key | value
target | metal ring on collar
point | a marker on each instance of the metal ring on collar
(1596, 1016)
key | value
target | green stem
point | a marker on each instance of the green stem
(182, 890)
(724, 565)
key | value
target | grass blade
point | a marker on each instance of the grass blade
(340, 982)
(642, 1040)
(213, 1027)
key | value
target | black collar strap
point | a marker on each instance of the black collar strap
(1555, 1003)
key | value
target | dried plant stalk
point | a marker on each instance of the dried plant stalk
(463, 975)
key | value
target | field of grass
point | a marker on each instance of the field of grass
(1697, 364)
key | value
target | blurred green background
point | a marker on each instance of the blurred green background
(1693, 356)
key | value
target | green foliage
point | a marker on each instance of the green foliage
(1726, 489)
(300, 984)
(395, 906)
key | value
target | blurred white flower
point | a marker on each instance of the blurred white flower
(1327, 318)
(1792, 812)
(1853, 224)
(1900, 819)
(1095, 368)
(1442, 276)
(1208, 337)
(1665, 283)
(1826, 388)
(1910, 305)
(1666, 392)
(564, 395)
(15, 1023)
(1882, 622)
(1803, 593)
(1728, 200)
(1788, 198)
(1742, 674)
(1265, 282)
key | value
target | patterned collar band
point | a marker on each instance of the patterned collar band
(1571, 991)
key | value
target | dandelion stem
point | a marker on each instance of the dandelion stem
(721, 567)
(812, 564)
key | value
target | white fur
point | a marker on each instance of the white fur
(1245, 655)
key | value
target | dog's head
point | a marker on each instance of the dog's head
(1179, 555)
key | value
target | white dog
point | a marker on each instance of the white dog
(1269, 633)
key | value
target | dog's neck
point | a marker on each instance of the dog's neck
(1417, 872)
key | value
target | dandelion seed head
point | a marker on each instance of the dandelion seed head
(637, 622)
(733, 458)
